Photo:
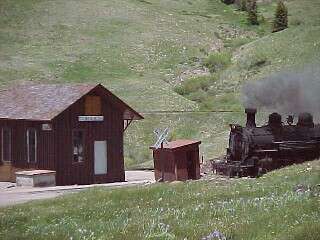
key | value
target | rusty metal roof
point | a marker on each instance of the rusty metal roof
(179, 143)
(46, 101)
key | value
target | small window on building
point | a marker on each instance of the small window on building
(78, 145)
(32, 145)
(6, 144)
(93, 105)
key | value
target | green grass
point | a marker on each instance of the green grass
(147, 52)
(281, 205)
(218, 61)
(255, 57)
(192, 85)
(144, 51)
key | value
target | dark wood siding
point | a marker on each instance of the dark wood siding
(110, 130)
(54, 147)
(45, 144)
(177, 164)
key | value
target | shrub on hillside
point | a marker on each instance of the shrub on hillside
(254, 61)
(241, 4)
(237, 42)
(281, 17)
(217, 61)
(199, 96)
(228, 1)
(252, 12)
(193, 85)
(296, 22)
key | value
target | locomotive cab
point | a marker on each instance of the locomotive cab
(253, 149)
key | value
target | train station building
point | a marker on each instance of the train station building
(74, 130)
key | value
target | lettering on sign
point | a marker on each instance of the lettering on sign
(46, 127)
(91, 118)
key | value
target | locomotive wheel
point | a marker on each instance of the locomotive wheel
(261, 171)
(230, 173)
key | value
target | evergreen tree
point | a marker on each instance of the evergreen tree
(252, 12)
(281, 17)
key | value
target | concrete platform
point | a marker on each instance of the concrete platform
(36, 178)
(10, 194)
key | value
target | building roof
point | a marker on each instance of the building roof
(46, 101)
(179, 143)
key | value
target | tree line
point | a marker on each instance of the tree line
(280, 21)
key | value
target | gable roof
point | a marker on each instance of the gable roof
(46, 101)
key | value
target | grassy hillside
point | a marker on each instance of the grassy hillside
(157, 55)
(281, 205)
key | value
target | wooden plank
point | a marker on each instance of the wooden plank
(93, 105)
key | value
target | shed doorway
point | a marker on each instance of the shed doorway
(100, 157)
(191, 165)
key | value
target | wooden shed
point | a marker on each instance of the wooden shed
(75, 130)
(177, 160)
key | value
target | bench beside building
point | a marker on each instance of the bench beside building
(75, 130)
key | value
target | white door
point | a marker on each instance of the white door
(100, 157)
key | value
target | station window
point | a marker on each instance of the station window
(32, 145)
(93, 105)
(78, 145)
(6, 144)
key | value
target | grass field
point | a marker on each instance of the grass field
(165, 55)
(154, 54)
(282, 205)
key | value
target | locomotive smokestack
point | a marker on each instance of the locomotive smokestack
(251, 117)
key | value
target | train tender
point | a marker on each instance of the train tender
(256, 150)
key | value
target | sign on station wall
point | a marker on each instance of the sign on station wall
(90, 118)
(46, 127)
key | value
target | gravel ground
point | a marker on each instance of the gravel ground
(10, 194)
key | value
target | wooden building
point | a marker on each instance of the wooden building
(177, 160)
(75, 130)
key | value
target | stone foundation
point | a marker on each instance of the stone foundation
(36, 178)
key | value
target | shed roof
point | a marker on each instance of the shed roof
(46, 101)
(179, 143)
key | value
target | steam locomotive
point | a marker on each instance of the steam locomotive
(254, 150)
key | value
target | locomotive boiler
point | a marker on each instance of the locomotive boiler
(254, 150)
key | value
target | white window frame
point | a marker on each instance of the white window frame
(35, 147)
(2, 145)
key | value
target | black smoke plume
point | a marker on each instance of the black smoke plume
(286, 92)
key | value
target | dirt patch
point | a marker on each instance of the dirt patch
(228, 33)
(216, 46)
(194, 72)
